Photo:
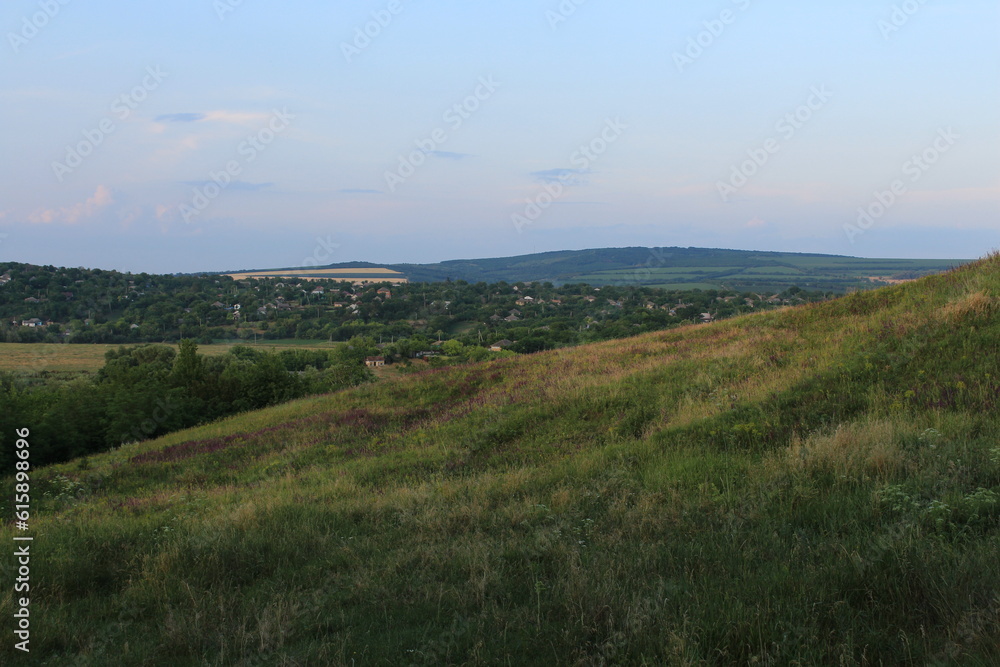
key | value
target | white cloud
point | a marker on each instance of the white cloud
(101, 199)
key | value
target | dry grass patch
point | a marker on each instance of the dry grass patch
(970, 307)
(866, 450)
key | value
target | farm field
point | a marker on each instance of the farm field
(352, 274)
(839, 274)
(88, 358)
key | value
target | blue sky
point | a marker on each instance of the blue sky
(219, 134)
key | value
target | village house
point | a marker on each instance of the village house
(33, 322)
(32, 299)
(374, 362)
(4, 279)
(386, 292)
(500, 345)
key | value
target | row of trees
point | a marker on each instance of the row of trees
(147, 391)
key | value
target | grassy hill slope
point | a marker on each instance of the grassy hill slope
(818, 484)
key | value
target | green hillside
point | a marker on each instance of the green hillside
(816, 485)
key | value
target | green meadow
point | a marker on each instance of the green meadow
(815, 485)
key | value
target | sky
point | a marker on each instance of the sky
(210, 135)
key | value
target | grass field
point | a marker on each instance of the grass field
(807, 272)
(818, 485)
(72, 358)
(686, 286)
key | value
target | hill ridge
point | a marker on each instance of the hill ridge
(662, 266)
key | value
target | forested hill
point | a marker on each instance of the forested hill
(675, 268)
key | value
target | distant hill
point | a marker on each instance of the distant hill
(816, 485)
(672, 268)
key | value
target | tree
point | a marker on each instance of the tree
(188, 370)
(453, 348)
